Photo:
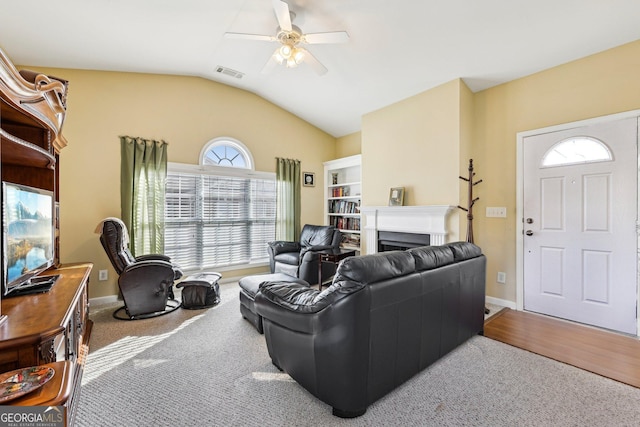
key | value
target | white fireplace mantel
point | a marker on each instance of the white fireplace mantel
(431, 220)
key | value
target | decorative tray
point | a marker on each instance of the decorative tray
(22, 381)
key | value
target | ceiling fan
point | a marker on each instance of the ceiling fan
(291, 53)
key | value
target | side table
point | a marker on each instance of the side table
(334, 256)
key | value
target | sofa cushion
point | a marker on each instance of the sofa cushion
(291, 258)
(316, 235)
(374, 268)
(464, 250)
(430, 257)
(250, 284)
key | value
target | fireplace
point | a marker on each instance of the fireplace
(420, 225)
(396, 241)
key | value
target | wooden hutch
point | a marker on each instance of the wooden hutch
(51, 327)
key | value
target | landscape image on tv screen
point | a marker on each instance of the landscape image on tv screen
(28, 230)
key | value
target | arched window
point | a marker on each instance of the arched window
(578, 149)
(227, 152)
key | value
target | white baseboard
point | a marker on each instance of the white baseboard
(225, 280)
(110, 299)
(500, 302)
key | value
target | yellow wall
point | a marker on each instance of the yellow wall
(598, 85)
(415, 144)
(184, 111)
(349, 145)
(466, 131)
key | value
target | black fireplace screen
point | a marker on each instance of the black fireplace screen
(396, 241)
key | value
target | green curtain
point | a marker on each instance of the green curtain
(287, 199)
(142, 189)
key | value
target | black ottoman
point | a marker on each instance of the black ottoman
(200, 290)
(248, 289)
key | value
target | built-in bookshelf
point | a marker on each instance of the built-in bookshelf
(342, 191)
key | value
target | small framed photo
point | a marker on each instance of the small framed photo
(308, 179)
(396, 196)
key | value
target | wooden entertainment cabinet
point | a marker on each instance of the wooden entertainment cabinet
(52, 326)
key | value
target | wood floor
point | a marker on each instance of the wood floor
(604, 353)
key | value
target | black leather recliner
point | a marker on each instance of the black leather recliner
(301, 259)
(145, 282)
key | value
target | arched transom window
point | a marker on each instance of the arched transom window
(227, 152)
(574, 150)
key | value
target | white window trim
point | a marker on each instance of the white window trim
(219, 170)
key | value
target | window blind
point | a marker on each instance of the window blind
(214, 221)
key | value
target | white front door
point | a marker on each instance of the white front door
(580, 245)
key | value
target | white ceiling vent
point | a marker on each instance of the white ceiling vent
(229, 72)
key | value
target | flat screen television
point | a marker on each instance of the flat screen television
(27, 234)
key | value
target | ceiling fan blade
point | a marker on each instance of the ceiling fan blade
(313, 62)
(282, 14)
(331, 37)
(245, 36)
(271, 63)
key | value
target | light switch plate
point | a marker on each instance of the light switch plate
(496, 212)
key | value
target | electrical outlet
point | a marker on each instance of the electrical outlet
(496, 212)
(502, 277)
(103, 275)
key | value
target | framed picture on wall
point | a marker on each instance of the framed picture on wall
(308, 179)
(396, 196)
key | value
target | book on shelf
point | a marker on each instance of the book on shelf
(342, 223)
(344, 206)
(340, 191)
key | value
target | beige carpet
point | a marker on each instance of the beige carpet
(211, 368)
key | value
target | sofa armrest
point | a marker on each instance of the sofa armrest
(177, 271)
(281, 246)
(295, 306)
(145, 274)
(291, 305)
(293, 296)
(153, 257)
(316, 248)
(310, 253)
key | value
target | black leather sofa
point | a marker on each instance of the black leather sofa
(384, 318)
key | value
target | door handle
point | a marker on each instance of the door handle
(529, 233)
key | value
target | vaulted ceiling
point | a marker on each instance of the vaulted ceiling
(396, 49)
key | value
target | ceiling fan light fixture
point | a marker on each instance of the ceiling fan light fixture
(286, 51)
(291, 63)
(298, 56)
